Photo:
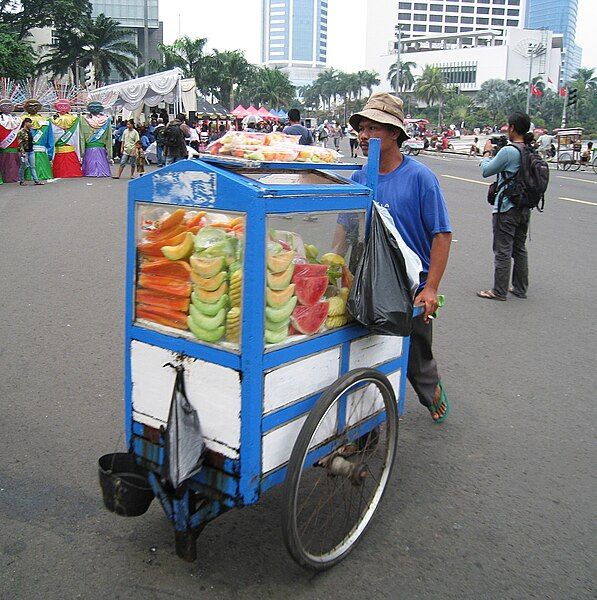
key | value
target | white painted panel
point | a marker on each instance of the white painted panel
(394, 379)
(300, 379)
(374, 350)
(278, 444)
(152, 382)
(368, 401)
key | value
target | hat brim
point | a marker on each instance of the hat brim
(379, 116)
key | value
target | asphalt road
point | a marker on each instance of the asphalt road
(498, 502)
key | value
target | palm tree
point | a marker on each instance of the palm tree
(368, 80)
(270, 86)
(221, 72)
(100, 42)
(585, 78)
(431, 88)
(405, 78)
(185, 53)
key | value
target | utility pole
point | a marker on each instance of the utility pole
(534, 50)
(146, 36)
(565, 109)
(398, 29)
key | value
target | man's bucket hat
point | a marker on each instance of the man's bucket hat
(382, 108)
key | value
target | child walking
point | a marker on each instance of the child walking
(140, 158)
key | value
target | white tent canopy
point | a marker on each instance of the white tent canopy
(149, 90)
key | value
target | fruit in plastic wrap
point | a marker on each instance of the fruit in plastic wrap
(167, 285)
(152, 298)
(282, 325)
(276, 263)
(210, 309)
(210, 297)
(344, 293)
(180, 251)
(311, 252)
(167, 268)
(205, 322)
(337, 321)
(309, 270)
(310, 290)
(331, 258)
(206, 266)
(276, 315)
(209, 283)
(337, 306)
(276, 299)
(309, 319)
(275, 337)
(236, 282)
(163, 316)
(280, 281)
(167, 223)
(204, 334)
(233, 325)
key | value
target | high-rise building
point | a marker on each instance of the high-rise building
(294, 37)
(560, 17)
(131, 15)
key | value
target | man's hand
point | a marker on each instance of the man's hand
(488, 147)
(428, 297)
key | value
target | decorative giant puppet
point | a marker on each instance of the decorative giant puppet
(67, 153)
(43, 139)
(9, 128)
(96, 141)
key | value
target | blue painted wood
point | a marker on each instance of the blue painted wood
(161, 495)
(279, 166)
(180, 512)
(290, 412)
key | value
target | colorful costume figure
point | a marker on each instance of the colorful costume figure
(96, 140)
(9, 154)
(67, 153)
(43, 140)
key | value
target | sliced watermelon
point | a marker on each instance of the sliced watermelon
(308, 270)
(309, 319)
(310, 290)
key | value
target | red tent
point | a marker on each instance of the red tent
(240, 111)
(263, 112)
(252, 110)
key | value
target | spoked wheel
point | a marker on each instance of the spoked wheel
(594, 163)
(339, 468)
(564, 161)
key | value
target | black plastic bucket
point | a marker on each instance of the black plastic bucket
(125, 488)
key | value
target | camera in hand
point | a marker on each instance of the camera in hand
(498, 142)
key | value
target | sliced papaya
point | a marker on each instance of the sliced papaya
(167, 285)
(154, 249)
(280, 281)
(171, 318)
(209, 283)
(153, 237)
(277, 315)
(277, 299)
(277, 263)
(205, 322)
(210, 297)
(275, 337)
(204, 334)
(195, 219)
(275, 327)
(236, 221)
(168, 268)
(209, 309)
(163, 300)
(207, 267)
(166, 224)
(182, 250)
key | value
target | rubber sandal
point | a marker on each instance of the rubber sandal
(443, 399)
(489, 295)
(517, 294)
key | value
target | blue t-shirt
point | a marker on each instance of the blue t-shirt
(412, 195)
(296, 129)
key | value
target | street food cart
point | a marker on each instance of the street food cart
(233, 289)
(568, 149)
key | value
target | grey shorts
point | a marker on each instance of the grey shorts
(127, 159)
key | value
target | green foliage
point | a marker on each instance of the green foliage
(269, 86)
(402, 70)
(17, 59)
(185, 53)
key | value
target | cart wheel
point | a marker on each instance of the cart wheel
(406, 149)
(594, 163)
(338, 472)
(575, 165)
(415, 151)
(564, 161)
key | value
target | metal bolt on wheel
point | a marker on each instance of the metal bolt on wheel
(339, 468)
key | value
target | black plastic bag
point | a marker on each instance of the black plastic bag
(380, 298)
(183, 439)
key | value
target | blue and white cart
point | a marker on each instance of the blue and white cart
(316, 413)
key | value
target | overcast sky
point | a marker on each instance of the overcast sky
(236, 24)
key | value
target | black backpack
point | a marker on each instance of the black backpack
(173, 137)
(527, 188)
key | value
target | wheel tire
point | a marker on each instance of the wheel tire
(574, 166)
(564, 161)
(406, 150)
(357, 379)
(415, 152)
(594, 163)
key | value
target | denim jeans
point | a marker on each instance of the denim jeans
(27, 161)
(159, 151)
(509, 244)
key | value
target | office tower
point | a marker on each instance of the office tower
(294, 37)
(560, 17)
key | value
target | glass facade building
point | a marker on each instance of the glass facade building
(129, 13)
(558, 16)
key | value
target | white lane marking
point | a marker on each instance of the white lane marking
(438, 157)
(579, 201)
(469, 180)
(575, 179)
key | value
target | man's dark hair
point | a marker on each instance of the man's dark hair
(26, 120)
(132, 122)
(294, 115)
(520, 121)
(590, 145)
(181, 117)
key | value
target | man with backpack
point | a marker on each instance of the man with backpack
(175, 148)
(522, 178)
(158, 133)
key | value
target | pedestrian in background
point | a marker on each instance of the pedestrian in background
(130, 137)
(295, 128)
(353, 140)
(323, 134)
(26, 152)
(336, 135)
(159, 141)
(510, 224)
(139, 155)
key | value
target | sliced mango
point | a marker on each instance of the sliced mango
(207, 267)
(209, 283)
(277, 299)
(182, 250)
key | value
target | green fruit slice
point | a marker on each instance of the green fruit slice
(276, 327)
(278, 299)
(277, 263)
(205, 266)
(204, 334)
(205, 322)
(210, 297)
(209, 309)
(280, 281)
(275, 337)
(277, 315)
(209, 283)
(182, 250)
